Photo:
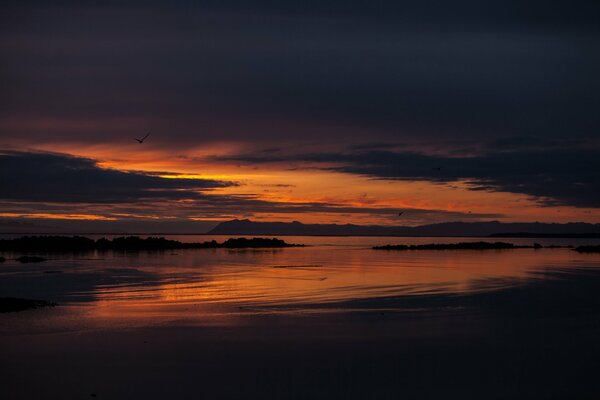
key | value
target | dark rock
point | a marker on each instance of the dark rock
(47, 243)
(12, 304)
(30, 259)
(588, 249)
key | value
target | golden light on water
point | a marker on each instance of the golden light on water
(234, 281)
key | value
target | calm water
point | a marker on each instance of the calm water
(334, 320)
(220, 284)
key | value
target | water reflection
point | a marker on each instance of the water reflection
(331, 271)
(328, 321)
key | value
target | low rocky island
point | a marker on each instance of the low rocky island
(30, 259)
(462, 246)
(588, 249)
(12, 304)
(45, 244)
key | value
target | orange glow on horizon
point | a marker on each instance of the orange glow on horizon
(348, 198)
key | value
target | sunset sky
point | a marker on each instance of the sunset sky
(321, 112)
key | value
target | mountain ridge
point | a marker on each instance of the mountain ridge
(477, 229)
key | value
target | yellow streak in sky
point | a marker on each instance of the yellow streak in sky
(58, 216)
(219, 177)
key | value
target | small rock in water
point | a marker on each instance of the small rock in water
(12, 304)
(30, 259)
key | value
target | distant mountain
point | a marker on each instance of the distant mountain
(519, 229)
(247, 227)
(547, 235)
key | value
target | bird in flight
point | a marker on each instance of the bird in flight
(400, 213)
(142, 139)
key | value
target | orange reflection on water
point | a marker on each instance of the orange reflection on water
(203, 284)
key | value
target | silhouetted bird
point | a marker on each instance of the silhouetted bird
(400, 213)
(438, 168)
(142, 139)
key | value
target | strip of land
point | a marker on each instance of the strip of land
(81, 244)
(463, 246)
(588, 249)
(12, 304)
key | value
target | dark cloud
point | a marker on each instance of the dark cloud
(278, 72)
(122, 226)
(569, 176)
(47, 177)
(576, 14)
(520, 143)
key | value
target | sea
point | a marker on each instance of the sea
(334, 319)
(327, 275)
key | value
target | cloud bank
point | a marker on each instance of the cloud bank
(554, 176)
(60, 186)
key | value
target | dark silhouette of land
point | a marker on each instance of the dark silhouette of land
(30, 259)
(452, 229)
(160, 243)
(2, 259)
(12, 304)
(48, 243)
(247, 227)
(129, 243)
(546, 235)
(463, 246)
(588, 249)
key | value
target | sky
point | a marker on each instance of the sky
(321, 112)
